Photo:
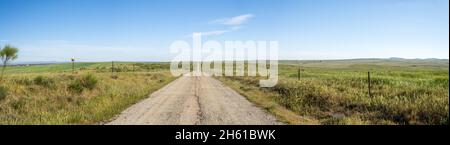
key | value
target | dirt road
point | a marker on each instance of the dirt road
(194, 101)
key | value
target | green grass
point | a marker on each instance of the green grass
(53, 68)
(336, 92)
(51, 94)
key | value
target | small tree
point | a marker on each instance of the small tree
(7, 54)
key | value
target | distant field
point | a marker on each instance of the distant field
(97, 66)
(51, 94)
(336, 91)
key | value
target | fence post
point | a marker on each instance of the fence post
(298, 74)
(368, 76)
(112, 67)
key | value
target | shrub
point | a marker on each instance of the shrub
(3, 93)
(43, 81)
(88, 81)
(76, 87)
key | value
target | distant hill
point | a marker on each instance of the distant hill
(373, 63)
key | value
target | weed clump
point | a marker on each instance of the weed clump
(88, 81)
(43, 81)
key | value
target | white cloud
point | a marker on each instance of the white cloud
(233, 23)
(237, 20)
(219, 32)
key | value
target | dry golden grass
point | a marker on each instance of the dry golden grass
(48, 98)
(267, 101)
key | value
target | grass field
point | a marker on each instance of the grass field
(327, 92)
(336, 91)
(51, 94)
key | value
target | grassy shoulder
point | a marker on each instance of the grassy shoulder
(267, 100)
(88, 97)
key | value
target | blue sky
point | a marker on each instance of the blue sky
(142, 30)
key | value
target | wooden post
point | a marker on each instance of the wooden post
(112, 67)
(368, 76)
(298, 74)
(73, 65)
(133, 67)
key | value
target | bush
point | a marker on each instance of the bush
(76, 87)
(88, 81)
(3, 93)
(44, 81)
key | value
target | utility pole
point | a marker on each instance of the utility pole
(73, 65)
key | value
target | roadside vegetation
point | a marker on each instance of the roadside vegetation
(336, 92)
(52, 94)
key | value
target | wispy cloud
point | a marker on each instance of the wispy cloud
(234, 24)
(237, 20)
(220, 32)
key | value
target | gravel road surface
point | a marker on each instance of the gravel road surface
(194, 100)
